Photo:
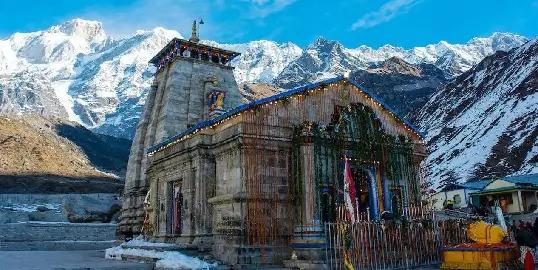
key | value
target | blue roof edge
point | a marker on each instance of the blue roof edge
(284, 94)
(471, 186)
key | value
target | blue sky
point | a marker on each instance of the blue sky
(405, 23)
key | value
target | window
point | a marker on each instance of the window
(457, 199)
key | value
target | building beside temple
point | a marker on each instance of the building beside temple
(253, 182)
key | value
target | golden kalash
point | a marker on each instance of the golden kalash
(491, 250)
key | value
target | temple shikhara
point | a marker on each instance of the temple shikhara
(255, 183)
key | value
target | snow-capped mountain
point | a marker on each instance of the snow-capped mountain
(76, 70)
(261, 60)
(485, 123)
(324, 58)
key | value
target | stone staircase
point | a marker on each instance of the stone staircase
(56, 236)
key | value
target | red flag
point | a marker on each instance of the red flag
(349, 191)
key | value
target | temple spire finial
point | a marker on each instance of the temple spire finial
(194, 35)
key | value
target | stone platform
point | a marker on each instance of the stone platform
(161, 254)
(56, 236)
(65, 260)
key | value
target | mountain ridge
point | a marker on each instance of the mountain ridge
(102, 82)
(483, 123)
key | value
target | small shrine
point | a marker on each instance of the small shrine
(216, 100)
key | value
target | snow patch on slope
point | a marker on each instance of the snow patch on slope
(484, 123)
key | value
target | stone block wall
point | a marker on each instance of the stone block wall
(177, 101)
(36, 231)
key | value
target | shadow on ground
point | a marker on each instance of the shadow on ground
(54, 184)
(104, 152)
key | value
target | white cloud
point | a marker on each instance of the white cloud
(179, 14)
(264, 8)
(147, 15)
(385, 13)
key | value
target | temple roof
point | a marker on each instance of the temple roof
(176, 41)
(285, 94)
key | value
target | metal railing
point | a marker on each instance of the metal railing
(392, 244)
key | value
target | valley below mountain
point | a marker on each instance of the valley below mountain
(51, 155)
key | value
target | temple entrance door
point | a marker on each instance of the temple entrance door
(175, 205)
(396, 201)
(328, 211)
(362, 189)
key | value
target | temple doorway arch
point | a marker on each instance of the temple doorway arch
(365, 195)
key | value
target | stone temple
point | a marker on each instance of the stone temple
(253, 182)
(186, 74)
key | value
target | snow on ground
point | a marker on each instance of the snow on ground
(140, 242)
(166, 259)
(108, 174)
(20, 207)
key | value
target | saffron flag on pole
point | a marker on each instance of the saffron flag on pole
(349, 191)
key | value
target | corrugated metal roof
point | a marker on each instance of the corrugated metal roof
(522, 179)
(505, 189)
(284, 94)
(477, 185)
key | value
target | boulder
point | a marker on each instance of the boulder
(85, 209)
(47, 216)
(42, 209)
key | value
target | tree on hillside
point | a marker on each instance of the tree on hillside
(450, 178)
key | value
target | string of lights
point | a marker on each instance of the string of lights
(291, 95)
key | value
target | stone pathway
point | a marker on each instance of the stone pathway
(65, 260)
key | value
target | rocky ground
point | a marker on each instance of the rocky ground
(48, 155)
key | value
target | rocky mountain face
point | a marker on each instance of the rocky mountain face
(404, 86)
(252, 91)
(75, 70)
(485, 123)
(260, 60)
(324, 58)
(51, 155)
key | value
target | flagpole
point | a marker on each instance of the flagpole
(201, 21)
(357, 216)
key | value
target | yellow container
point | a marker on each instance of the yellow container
(482, 232)
(498, 257)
